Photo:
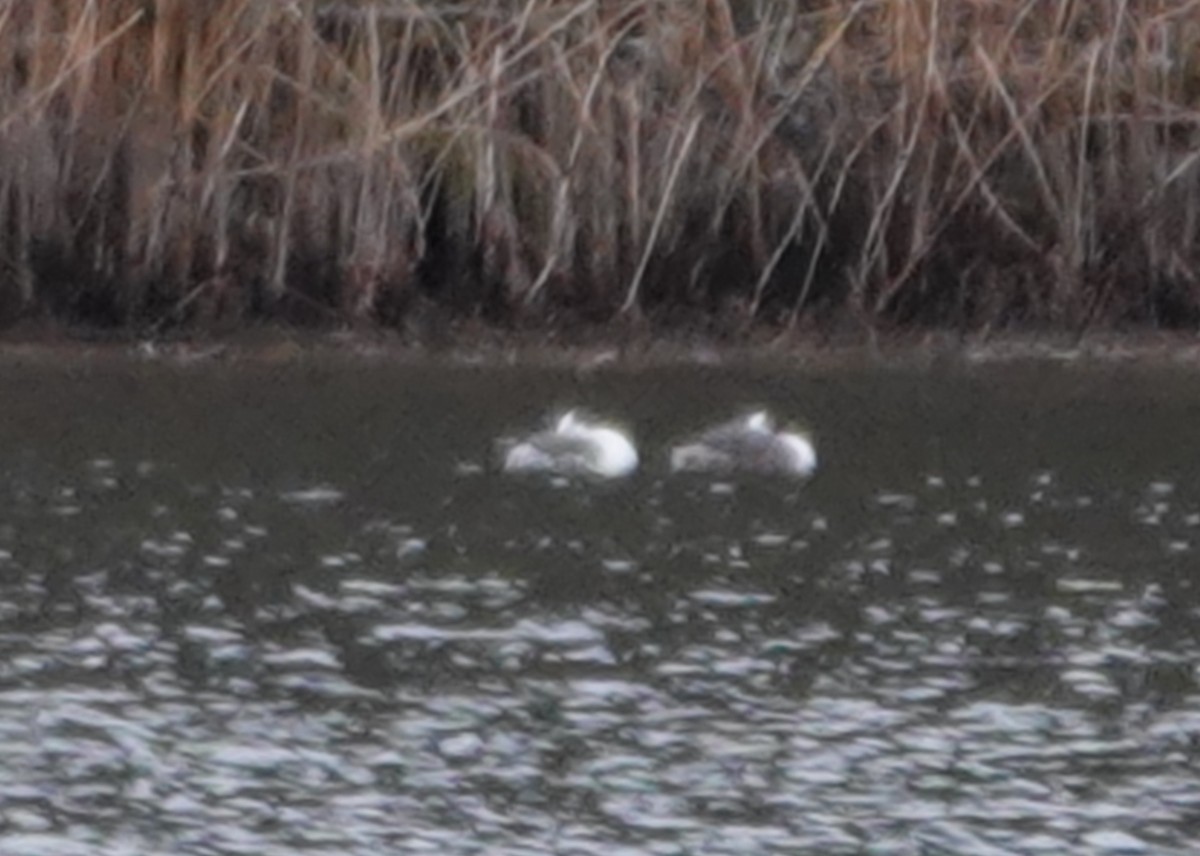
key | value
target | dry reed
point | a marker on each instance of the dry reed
(938, 162)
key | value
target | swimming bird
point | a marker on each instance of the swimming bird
(575, 445)
(750, 443)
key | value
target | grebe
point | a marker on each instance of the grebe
(574, 446)
(748, 444)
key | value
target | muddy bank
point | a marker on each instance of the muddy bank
(599, 350)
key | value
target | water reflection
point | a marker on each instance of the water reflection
(230, 629)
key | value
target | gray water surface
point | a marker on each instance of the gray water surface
(255, 611)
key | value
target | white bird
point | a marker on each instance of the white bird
(748, 444)
(574, 446)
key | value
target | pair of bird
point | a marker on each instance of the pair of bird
(576, 445)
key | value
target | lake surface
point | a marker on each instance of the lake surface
(290, 611)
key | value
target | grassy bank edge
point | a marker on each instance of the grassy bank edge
(597, 351)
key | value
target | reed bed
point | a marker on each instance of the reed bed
(959, 163)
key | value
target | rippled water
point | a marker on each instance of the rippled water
(246, 612)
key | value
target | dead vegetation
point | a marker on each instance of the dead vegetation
(959, 163)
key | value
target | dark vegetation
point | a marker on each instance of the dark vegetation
(716, 164)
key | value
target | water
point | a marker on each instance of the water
(256, 611)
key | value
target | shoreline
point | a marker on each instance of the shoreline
(597, 351)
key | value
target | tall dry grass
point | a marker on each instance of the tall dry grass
(959, 162)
